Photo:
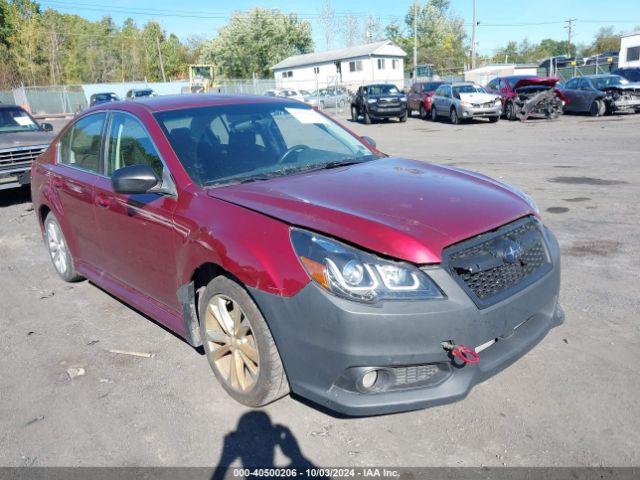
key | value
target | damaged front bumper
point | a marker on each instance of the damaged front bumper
(328, 344)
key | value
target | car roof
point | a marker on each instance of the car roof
(178, 102)
(7, 106)
(460, 84)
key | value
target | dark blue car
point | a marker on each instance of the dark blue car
(98, 98)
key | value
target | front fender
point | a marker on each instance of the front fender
(254, 248)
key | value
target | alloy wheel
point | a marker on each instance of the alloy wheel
(232, 347)
(57, 248)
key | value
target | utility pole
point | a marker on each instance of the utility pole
(569, 27)
(415, 39)
(164, 77)
(473, 36)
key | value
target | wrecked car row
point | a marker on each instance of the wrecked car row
(522, 97)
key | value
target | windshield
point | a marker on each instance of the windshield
(431, 87)
(604, 82)
(467, 89)
(105, 97)
(234, 143)
(143, 93)
(382, 89)
(16, 120)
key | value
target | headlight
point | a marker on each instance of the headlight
(498, 103)
(351, 273)
(372, 100)
(403, 99)
(465, 104)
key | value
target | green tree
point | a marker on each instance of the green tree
(605, 40)
(253, 42)
(441, 35)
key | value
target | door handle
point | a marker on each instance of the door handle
(56, 183)
(103, 201)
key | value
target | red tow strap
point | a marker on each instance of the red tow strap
(464, 353)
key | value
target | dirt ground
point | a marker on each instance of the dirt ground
(571, 401)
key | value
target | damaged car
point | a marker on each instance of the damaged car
(600, 95)
(528, 96)
(300, 257)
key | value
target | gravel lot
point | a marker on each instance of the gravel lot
(572, 401)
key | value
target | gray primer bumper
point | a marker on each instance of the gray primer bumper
(319, 336)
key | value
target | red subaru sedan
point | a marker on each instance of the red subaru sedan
(300, 257)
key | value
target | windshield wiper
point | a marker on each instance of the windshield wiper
(339, 163)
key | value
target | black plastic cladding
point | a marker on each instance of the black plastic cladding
(490, 286)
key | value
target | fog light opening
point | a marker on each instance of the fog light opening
(368, 380)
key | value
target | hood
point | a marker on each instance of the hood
(390, 96)
(627, 87)
(25, 139)
(400, 208)
(535, 81)
(478, 97)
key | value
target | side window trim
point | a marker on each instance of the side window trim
(167, 175)
(69, 131)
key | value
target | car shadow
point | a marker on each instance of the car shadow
(254, 444)
(15, 196)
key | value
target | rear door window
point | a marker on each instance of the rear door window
(80, 145)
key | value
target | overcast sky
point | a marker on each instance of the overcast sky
(534, 19)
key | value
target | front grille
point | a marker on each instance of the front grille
(493, 266)
(20, 156)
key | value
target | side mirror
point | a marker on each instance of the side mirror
(369, 140)
(134, 179)
(46, 127)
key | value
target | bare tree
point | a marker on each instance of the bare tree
(327, 20)
(350, 30)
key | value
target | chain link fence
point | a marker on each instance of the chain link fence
(54, 100)
(566, 73)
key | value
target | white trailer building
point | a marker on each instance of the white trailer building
(630, 50)
(347, 67)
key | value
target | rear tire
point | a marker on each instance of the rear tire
(239, 345)
(59, 250)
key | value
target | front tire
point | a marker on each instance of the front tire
(494, 119)
(239, 345)
(423, 112)
(367, 118)
(510, 112)
(434, 114)
(59, 250)
(354, 113)
(453, 117)
(403, 118)
(597, 108)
